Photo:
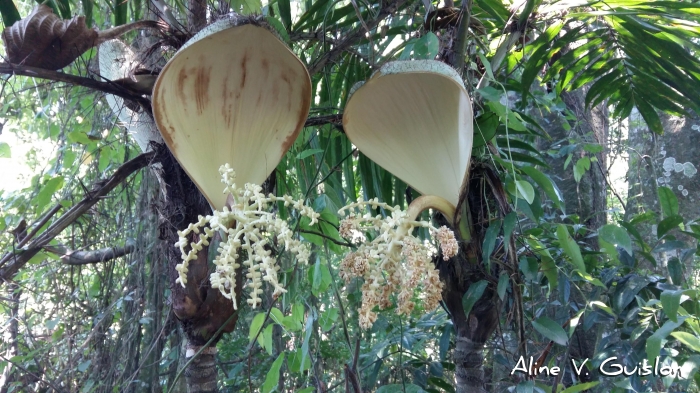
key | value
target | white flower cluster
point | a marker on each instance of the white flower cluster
(395, 262)
(248, 227)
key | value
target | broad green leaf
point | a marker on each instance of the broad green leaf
(328, 318)
(525, 190)
(308, 389)
(47, 191)
(549, 269)
(442, 384)
(654, 342)
(580, 387)
(400, 388)
(445, 341)
(276, 315)
(255, 326)
(265, 339)
(308, 152)
(551, 330)
(82, 367)
(5, 150)
(509, 222)
(668, 224)
(285, 13)
(582, 165)
(294, 361)
(273, 375)
(616, 236)
(568, 244)
(246, 7)
(668, 201)
(426, 47)
(485, 126)
(625, 292)
(490, 241)
(670, 301)
(320, 278)
(689, 340)
(473, 294)
(546, 184)
(502, 285)
(675, 270)
(525, 387)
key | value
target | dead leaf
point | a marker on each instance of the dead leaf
(43, 40)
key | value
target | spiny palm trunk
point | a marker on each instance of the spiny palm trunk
(201, 371)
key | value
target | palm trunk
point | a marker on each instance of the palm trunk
(469, 359)
(201, 371)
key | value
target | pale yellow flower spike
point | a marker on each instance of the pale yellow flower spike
(395, 262)
(248, 227)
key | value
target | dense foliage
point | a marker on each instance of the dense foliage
(559, 90)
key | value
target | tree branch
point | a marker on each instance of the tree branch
(353, 37)
(106, 87)
(71, 257)
(12, 262)
(336, 120)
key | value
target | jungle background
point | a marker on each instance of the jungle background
(585, 115)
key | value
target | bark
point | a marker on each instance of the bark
(485, 195)
(201, 372)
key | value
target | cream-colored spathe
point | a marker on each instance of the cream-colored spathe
(414, 118)
(232, 94)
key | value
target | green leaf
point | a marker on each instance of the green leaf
(580, 387)
(320, 278)
(509, 222)
(650, 116)
(546, 184)
(265, 339)
(582, 165)
(47, 191)
(502, 285)
(668, 224)
(540, 54)
(276, 315)
(675, 270)
(246, 7)
(84, 366)
(400, 388)
(295, 361)
(668, 201)
(570, 247)
(308, 152)
(625, 293)
(670, 301)
(308, 389)
(473, 294)
(426, 47)
(525, 190)
(616, 236)
(689, 340)
(285, 13)
(442, 384)
(525, 387)
(273, 376)
(4, 147)
(9, 13)
(490, 241)
(298, 312)
(485, 127)
(256, 325)
(654, 342)
(551, 330)
(328, 318)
